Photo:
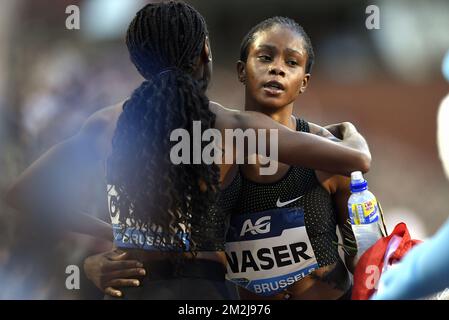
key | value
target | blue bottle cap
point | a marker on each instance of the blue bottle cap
(358, 183)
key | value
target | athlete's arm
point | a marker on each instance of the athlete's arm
(340, 199)
(53, 186)
(339, 187)
(308, 150)
(331, 132)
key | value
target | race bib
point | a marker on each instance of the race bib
(269, 251)
(127, 236)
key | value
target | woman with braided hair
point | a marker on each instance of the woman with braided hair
(163, 214)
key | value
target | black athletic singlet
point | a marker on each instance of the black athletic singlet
(280, 232)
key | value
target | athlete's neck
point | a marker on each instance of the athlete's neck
(282, 115)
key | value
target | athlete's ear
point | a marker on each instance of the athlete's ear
(304, 83)
(205, 61)
(207, 52)
(241, 71)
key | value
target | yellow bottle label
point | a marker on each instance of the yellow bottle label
(364, 212)
(369, 207)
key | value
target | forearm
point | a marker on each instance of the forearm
(55, 176)
(63, 219)
(309, 150)
(321, 154)
(86, 224)
(340, 201)
(63, 216)
(53, 189)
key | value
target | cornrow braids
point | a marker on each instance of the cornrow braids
(164, 35)
(269, 23)
(162, 200)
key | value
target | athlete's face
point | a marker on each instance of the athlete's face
(274, 73)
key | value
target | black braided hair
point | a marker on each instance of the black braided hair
(160, 199)
(271, 22)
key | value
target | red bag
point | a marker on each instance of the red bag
(387, 250)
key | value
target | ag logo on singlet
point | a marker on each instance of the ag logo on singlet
(268, 251)
(262, 225)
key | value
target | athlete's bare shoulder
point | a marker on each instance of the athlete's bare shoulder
(103, 119)
(100, 126)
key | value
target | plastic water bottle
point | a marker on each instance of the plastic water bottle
(364, 213)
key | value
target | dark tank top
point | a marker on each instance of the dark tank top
(280, 232)
(298, 183)
(216, 223)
